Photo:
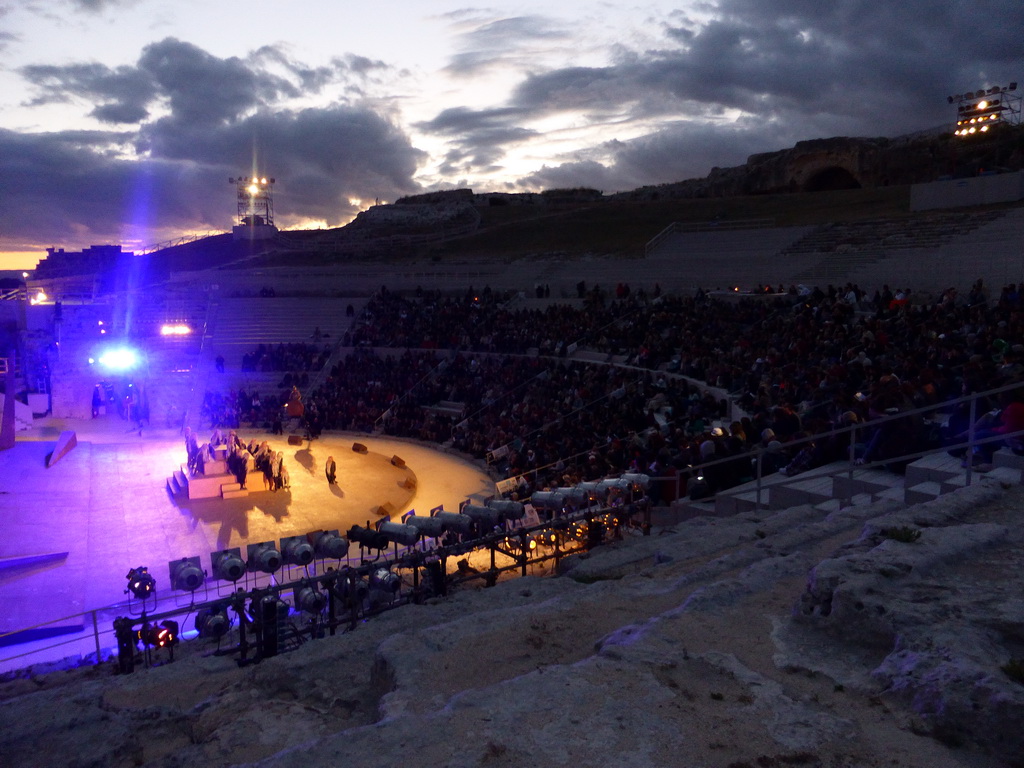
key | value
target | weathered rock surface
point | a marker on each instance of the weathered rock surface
(768, 639)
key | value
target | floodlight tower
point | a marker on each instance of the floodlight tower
(255, 198)
(979, 112)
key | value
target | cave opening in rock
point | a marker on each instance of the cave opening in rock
(832, 178)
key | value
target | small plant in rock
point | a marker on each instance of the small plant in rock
(903, 533)
(1014, 669)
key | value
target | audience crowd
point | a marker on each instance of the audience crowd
(794, 363)
(286, 357)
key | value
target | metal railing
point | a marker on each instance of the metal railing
(856, 433)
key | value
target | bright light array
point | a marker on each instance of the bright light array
(120, 359)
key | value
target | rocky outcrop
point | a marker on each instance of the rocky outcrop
(847, 163)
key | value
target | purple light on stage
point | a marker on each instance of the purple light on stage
(120, 359)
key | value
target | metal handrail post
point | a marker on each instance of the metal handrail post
(970, 441)
(96, 636)
(758, 478)
(853, 459)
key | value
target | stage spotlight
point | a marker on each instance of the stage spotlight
(619, 483)
(547, 537)
(227, 564)
(486, 518)
(328, 544)
(162, 635)
(637, 479)
(310, 599)
(398, 533)
(554, 500)
(367, 537)
(262, 557)
(427, 526)
(296, 550)
(212, 622)
(516, 543)
(455, 522)
(119, 359)
(509, 510)
(385, 580)
(140, 582)
(186, 575)
(356, 589)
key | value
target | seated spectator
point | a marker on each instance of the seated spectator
(996, 423)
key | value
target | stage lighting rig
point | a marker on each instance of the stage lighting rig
(212, 622)
(309, 599)
(227, 564)
(255, 198)
(116, 359)
(262, 557)
(367, 537)
(406, 535)
(485, 518)
(296, 550)
(980, 111)
(140, 582)
(427, 526)
(185, 574)
(328, 545)
(385, 580)
(162, 635)
(509, 510)
(455, 522)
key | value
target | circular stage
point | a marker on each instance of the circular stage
(73, 529)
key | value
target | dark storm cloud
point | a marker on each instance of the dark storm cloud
(67, 184)
(217, 118)
(123, 93)
(321, 157)
(794, 69)
(204, 89)
(196, 87)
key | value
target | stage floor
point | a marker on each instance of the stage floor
(71, 531)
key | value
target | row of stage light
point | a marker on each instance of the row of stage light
(373, 585)
(187, 575)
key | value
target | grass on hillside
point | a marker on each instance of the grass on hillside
(623, 228)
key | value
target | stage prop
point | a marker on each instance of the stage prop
(67, 441)
(214, 480)
(7, 423)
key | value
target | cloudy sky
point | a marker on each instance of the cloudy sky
(122, 120)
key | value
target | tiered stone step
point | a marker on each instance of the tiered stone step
(177, 484)
(832, 487)
(233, 491)
(812, 490)
(209, 486)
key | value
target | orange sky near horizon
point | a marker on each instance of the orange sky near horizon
(23, 260)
